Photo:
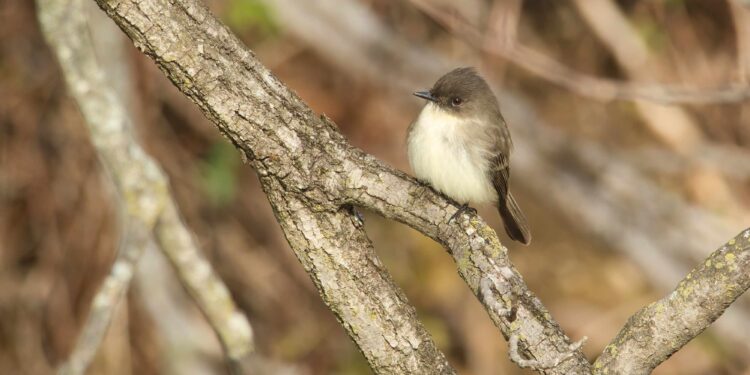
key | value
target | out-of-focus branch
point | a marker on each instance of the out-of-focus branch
(64, 28)
(663, 327)
(583, 84)
(203, 284)
(732, 162)
(741, 19)
(671, 124)
(133, 242)
(141, 185)
(188, 344)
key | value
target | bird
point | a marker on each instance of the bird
(460, 144)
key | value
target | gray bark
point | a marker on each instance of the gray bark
(617, 206)
(292, 149)
(658, 330)
(310, 173)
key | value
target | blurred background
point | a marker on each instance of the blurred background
(632, 163)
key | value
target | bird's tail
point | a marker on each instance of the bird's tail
(514, 221)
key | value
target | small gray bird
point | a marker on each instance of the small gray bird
(461, 145)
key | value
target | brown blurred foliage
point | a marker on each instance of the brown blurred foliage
(58, 231)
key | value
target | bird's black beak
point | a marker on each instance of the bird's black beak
(425, 95)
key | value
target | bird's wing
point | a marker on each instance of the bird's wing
(501, 147)
(513, 218)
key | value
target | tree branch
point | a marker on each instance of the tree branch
(672, 125)
(143, 190)
(292, 150)
(598, 190)
(65, 30)
(310, 173)
(204, 284)
(133, 242)
(477, 252)
(657, 331)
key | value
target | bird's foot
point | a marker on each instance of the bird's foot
(462, 210)
(359, 220)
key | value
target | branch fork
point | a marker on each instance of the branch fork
(515, 352)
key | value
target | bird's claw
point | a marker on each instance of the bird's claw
(359, 220)
(461, 210)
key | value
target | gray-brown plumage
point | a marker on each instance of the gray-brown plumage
(461, 145)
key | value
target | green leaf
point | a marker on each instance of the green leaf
(218, 173)
(242, 15)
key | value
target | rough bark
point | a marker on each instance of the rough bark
(291, 148)
(658, 330)
(311, 174)
(603, 191)
(478, 254)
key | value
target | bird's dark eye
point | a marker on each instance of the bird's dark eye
(456, 101)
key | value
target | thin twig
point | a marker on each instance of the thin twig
(105, 302)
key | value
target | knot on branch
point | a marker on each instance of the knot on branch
(536, 364)
(485, 288)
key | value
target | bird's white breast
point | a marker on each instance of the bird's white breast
(440, 152)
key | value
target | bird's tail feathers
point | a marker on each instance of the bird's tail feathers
(514, 221)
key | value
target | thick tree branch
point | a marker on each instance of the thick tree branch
(658, 330)
(600, 191)
(292, 149)
(310, 173)
(477, 252)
